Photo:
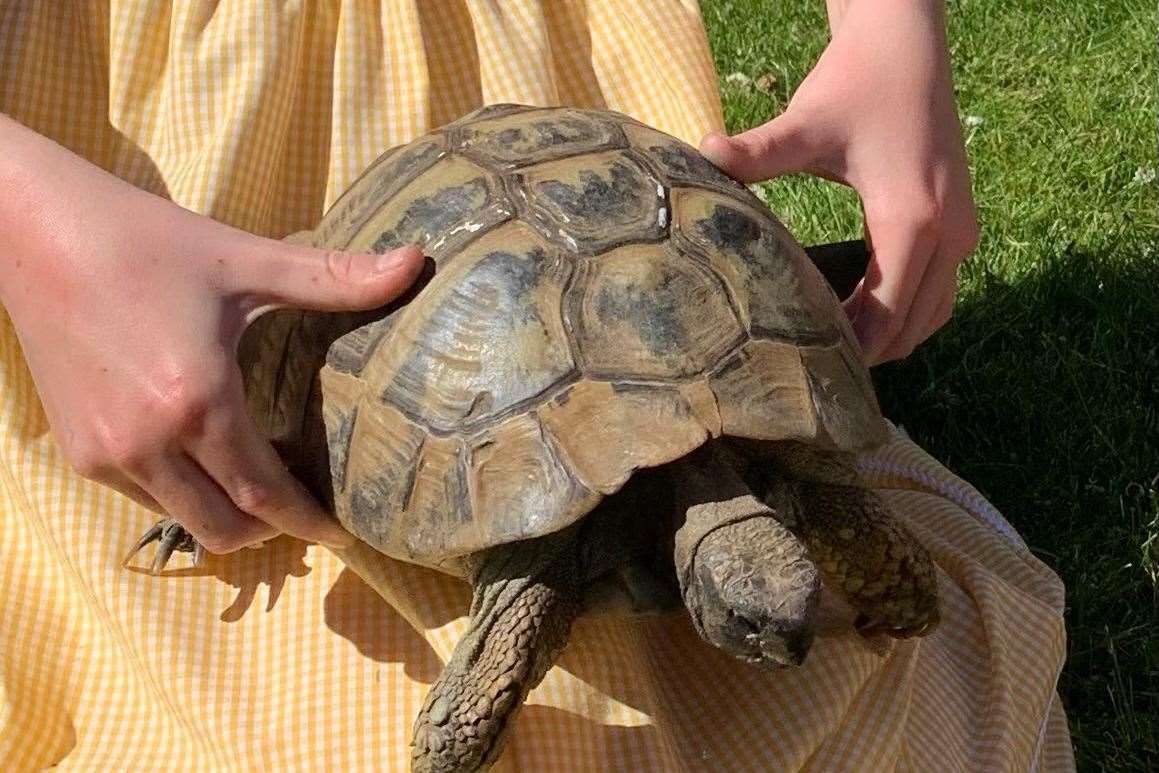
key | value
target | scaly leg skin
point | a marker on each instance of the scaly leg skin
(862, 550)
(749, 584)
(170, 536)
(526, 597)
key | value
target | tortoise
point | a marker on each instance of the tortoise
(620, 378)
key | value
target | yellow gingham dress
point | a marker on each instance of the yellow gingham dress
(259, 114)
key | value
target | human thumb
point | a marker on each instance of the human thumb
(277, 273)
(772, 149)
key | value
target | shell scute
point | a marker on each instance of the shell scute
(437, 517)
(595, 203)
(487, 336)
(646, 312)
(441, 210)
(607, 430)
(770, 390)
(379, 476)
(516, 139)
(381, 181)
(781, 294)
(763, 393)
(681, 164)
(520, 486)
(843, 398)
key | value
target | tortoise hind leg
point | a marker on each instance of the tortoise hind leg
(526, 597)
(863, 551)
(170, 537)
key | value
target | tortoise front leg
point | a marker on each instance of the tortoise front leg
(526, 597)
(862, 550)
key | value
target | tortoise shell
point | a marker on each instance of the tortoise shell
(605, 299)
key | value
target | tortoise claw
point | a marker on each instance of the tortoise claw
(165, 546)
(170, 536)
(153, 534)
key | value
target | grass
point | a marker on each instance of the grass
(1044, 389)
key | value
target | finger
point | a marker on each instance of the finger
(130, 489)
(189, 497)
(924, 318)
(781, 146)
(285, 274)
(946, 310)
(115, 478)
(244, 464)
(900, 248)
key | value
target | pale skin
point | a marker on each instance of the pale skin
(129, 314)
(168, 427)
(877, 113)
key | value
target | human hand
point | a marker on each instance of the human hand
(877, 113)
(129, 309)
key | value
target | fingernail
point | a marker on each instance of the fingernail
(389, 261)
(711, 136)
(715, 151)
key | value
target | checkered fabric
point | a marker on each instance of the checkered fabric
(293, 657)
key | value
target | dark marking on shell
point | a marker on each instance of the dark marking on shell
(686, 165)
(460, 485)
(368, 498)
(338, 441)
(383, 179)
(407, 484)
(428, 218)
(557, 134)
(730, 228)
(599, 197)
(654, 312)
(772, 280)
(679, 163)
(591, 208)
(627, 387)
(647, 312)
(734, 360)
(598, 200)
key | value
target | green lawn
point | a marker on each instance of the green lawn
(1044, 389)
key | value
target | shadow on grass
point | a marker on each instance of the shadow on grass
(1044, 393)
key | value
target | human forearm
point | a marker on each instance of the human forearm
(50, 202)
(20, 203)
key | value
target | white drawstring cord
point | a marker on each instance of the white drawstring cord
(957, 493)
